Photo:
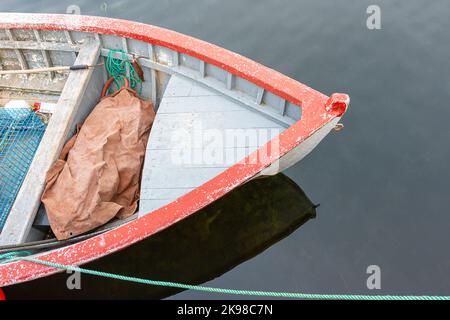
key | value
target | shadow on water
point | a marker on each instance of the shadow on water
(198, 249)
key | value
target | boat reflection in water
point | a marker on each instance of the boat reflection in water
(200, 248)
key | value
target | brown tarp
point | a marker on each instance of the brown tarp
(98, 173)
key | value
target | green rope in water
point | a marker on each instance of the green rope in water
(117, 68)
(273, 294)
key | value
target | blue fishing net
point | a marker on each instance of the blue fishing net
(21, 131)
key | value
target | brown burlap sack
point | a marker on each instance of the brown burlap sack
(100, 178)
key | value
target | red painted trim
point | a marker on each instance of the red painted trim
(317, 110)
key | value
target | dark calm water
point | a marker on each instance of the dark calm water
(383, 182)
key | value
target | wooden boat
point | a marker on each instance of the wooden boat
(273, 121)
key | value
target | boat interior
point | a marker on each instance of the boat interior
(187, 93)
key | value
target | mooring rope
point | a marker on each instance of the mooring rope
(117, 68)
(23, 255)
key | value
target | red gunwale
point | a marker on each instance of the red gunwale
(317, 110)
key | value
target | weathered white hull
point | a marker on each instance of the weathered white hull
(298, 153)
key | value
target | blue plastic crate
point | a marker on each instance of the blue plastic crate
(21, 131)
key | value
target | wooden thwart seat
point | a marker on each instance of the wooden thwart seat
(197, 134)
(73, 105)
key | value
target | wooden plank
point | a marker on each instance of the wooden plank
(34, 45)
(202, 68)
(68, 37)
(40, 84)
(259, 95)
(104, 71)
(188, 89)
(163, 193)
(154, 88)
(218, 120)
(70, 42)
(28, 199)
(218, 156)
(45, 54)
(176, 58)
(188, 178)
(146, 63)
(237, 137)
(283, 107)
(19, 54)
(148, 206)
(199, 104)
(190, 143)
(230, 81)
(125, 49)
(151, 52)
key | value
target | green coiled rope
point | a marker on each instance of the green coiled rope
(23, 255)
(118, 67)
